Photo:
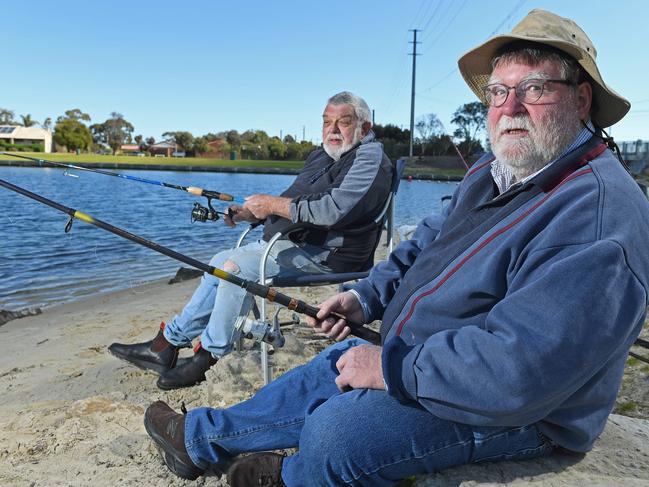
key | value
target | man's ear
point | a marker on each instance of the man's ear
(584, 100)
(365, 128)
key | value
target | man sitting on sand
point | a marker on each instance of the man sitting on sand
(342, 189)
(506, 321)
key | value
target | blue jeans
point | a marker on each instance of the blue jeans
(360, 437)
(216, 304)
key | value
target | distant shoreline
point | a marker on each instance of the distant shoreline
(223, 169)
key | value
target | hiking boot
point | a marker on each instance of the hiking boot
(157, 355)
(188, 374)
(167, 429)
(259, 469)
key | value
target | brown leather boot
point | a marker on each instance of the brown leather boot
(167, 429)
(189, 373)
(157, 355)
(259, 469)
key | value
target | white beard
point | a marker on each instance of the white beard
(336, 152)
(544, 142)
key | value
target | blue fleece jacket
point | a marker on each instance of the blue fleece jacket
(519, 308)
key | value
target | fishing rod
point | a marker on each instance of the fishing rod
(199, 212)
(265, 292)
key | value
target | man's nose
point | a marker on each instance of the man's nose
(512, 105)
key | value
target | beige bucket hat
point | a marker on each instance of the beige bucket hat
(547, 28)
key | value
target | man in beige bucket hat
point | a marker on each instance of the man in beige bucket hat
(506, 321)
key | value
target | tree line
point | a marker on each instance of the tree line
(73, 132)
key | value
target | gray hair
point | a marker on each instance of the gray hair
(533, 54)
(361, 109)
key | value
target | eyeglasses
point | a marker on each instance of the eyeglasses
(528, 91)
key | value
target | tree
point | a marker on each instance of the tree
(27, 121)
(7, 117)
(184, 139)
(470, 118)
(393, 132)
(233, 138)
(149, 141)
(47, 123)
(75, 114)
(72, 134)
(276, 149)
(428, 126)
(200, 145)
(114, 132)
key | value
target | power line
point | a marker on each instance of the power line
(448, 24)
(432, 16)
(511, 13)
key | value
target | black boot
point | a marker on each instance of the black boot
(167, 428)
(260, 469)
(157, 355)
(188, 374)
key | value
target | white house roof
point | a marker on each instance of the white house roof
(18, 132)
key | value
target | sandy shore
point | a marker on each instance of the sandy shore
(72, 413)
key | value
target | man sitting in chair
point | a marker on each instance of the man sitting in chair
(341, 189)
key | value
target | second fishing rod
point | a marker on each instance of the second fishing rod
(199, 212)
(260, 290)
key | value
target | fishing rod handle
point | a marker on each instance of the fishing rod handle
(356, 328)
(210, 194)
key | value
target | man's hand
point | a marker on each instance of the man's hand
(263, 205)
(237, 213)
(344, 304)
(360, 368)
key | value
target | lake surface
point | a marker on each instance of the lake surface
(40, 265)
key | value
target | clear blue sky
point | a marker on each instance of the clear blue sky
(206, 66)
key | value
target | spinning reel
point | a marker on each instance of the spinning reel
(262, 331)
(202, 214)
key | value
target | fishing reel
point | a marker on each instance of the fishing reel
(203, 214)
(263, 331)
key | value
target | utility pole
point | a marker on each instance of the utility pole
(412, 93)
(303, 132)
(372, 116)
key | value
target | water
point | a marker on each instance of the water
(40, 265)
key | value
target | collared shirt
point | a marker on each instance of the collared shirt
(504, 177)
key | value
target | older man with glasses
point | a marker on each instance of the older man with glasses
(506, 321)
(340, 191)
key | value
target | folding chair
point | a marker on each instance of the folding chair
(385, 219)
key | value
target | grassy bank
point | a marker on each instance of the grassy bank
(154, 161)
(132, 162)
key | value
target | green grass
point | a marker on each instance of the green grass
(199, 161)
(432, 171)
(158, 161)
(626, 407)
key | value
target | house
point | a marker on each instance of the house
(214, 149)
(130, 149)
(29, 136)
(166, 148)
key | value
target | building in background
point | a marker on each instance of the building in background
(636, 155)
(30, 139)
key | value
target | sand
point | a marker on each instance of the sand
(71, 414)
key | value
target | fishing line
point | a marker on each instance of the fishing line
(199, 212)
(255, 288)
